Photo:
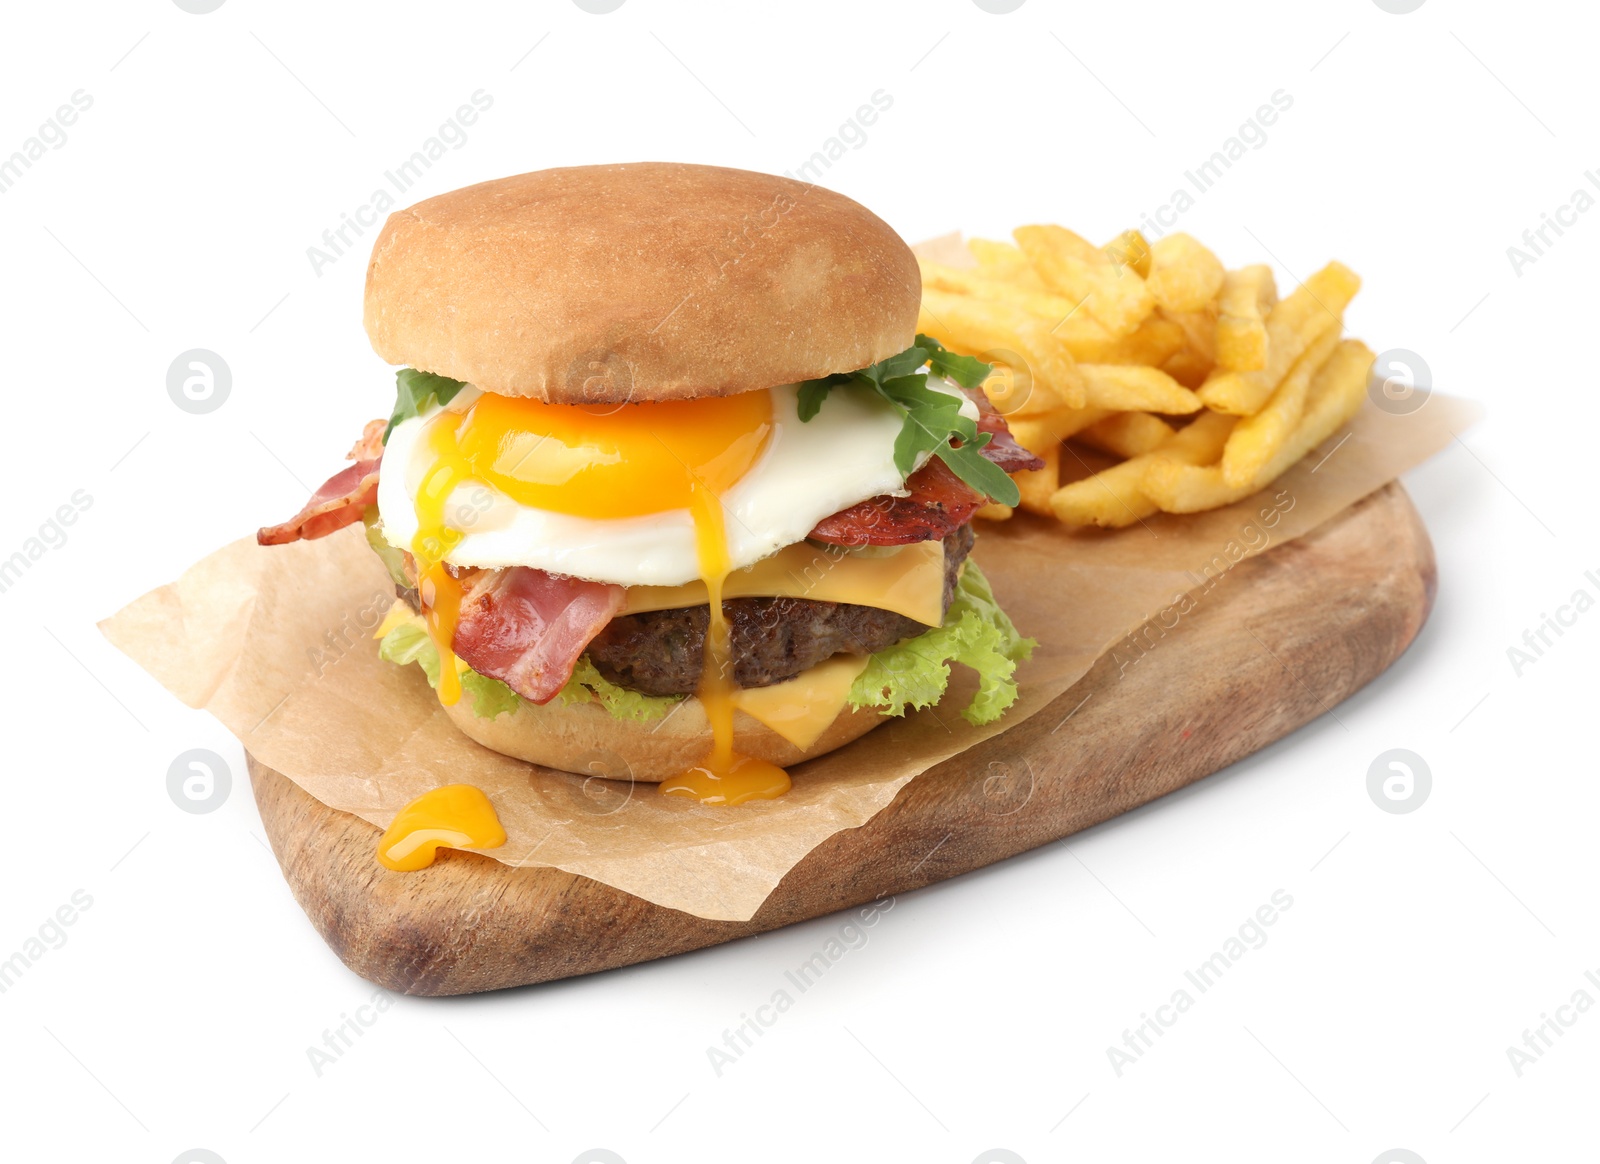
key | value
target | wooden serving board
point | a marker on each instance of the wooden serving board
(1283, 638)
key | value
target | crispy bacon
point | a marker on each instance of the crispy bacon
(342, 498)
(527, 627)
(939, 502)
(370, 446)
(1002, 448)
(1004, 451)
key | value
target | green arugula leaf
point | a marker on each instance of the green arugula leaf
(913, 394)
(812, 394)
(982, 474)
(932, 418)
(968, 371)
(415, 393)
(897, 366)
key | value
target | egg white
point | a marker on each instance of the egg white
(809, 470)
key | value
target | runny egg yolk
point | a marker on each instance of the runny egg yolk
(456, 816)
(724, 776)
(606, 461)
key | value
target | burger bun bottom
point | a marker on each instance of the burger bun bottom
(587, 739)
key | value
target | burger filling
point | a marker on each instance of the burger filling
(527, 634)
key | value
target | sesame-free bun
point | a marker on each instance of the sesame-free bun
(645, 281)
(587, 739)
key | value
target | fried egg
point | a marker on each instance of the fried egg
(608, 493)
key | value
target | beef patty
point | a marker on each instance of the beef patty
(772, 639)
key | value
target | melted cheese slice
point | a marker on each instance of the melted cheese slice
(908, 580)
(398, 613)
(800, 709)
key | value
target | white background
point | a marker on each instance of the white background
(177, 214)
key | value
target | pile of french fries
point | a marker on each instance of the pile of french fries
(1202, 382)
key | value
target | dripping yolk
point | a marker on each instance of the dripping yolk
(591, 461)
(723, 776)
(607, 462)
(456, 816)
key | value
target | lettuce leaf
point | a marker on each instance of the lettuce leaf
(393, 560)
(490, 698)
(587, 683)
(409, 643)
(976, 633)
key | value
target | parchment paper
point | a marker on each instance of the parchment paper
(277, 643)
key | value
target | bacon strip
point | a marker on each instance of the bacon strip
(1004, 451)
(341, 500)
(370, 446)
(939, 503)
(1002, 448)
(527, 627)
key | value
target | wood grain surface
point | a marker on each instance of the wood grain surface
(1281, 639)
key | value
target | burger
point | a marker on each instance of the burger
(671, 479)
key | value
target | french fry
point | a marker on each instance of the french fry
(1128, 434)
(1247, 296)
(1134, 388)
(1003, 260)
(1107, 344)
(1115, 498)
(1184, 276)
(1199, 329)
(1039, 433)
(1066, 319)
(1011, 389)
(1084, 273)
(1041, 401)
(977, 325)
(1129, 249)
(1037, 486)
(1060, 242)
(1081, 332)
(1153, 342)
(986, 283)
(1292, 325)
(1335, 395)
(1257, 439)
(1109, 499)
(1192, 363)
(1188, 367)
